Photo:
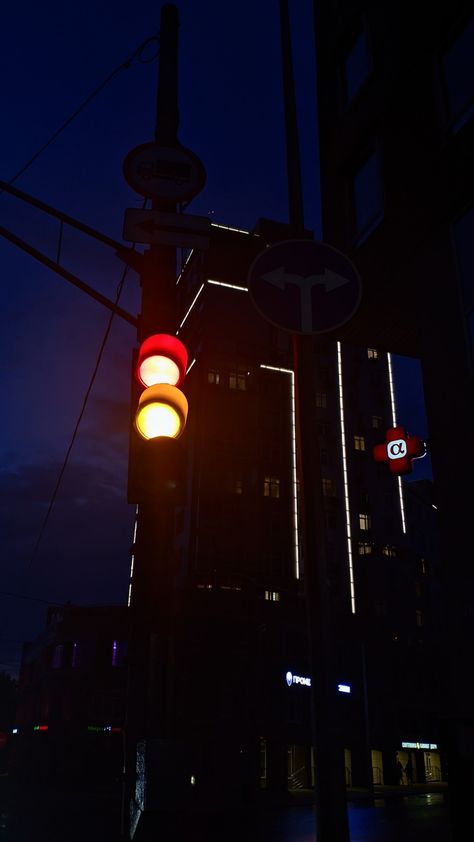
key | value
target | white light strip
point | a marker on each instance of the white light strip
(190, 366)
(191, 306)
(228, 228)
(394, 424)
(132, 564)
(296, 540)
(184, 267)
(346, 482)
(222, 284)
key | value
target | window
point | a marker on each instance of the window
(389, 551)
(234, 484)
(376, 422)
(213, 376)
(329, 487)
(372, 354)
(238, 379)
(359, 443)
(356, 67)
(57, 658)
(425, 566)
(271, 487)
(458, 77)
(463, 232)
(368, 202)
(272, 596)
(419, 618)
(321, 400)
(364, 521)
(365, 548)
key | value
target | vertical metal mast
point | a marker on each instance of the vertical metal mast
(330, 794)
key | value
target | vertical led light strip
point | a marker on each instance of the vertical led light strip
(394, 424)
(346, 482)
(294, 506)
(134, 540)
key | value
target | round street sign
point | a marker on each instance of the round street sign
(304, 286)
(164, 172)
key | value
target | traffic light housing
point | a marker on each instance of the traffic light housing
(159, 409)
(162, 408)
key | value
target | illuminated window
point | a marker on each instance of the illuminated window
(272, 596)
(388, 550)
(321, 400)
(376, 422)
(425, 566)
(238, 379)
(359, 443)
(364, 521)
(419, 618)
(271, 487)
(372, 354)
(329, 487)
(365, 548)
(213, 376)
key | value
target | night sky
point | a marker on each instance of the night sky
(54, 56)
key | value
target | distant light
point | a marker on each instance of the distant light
(426, 746)
(193, 780)
(14, 730)
(344, 688)
(41, 728)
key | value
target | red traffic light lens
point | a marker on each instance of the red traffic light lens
(161, 359)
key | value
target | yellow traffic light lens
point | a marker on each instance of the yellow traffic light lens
(158, 369)
(162, 411)
(158, 419)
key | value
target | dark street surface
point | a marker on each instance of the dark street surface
(57, 815)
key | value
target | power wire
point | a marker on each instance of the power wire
(136, 56)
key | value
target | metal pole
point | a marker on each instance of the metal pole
(330, 794)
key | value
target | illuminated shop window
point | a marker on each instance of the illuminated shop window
(321, 400)
(272, 596)
(329, 487)
(238, 379)
(372, 354)
(365, 548)
(359, 443)
(376, 422)
(388, 550)
(364, 521)
(271, 487)
(213, 376)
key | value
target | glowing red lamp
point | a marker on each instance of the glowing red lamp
(161, 359)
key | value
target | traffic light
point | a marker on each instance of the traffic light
(157, 460)
(162, 407)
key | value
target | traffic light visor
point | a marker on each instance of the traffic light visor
(162, 359)
(162, 411)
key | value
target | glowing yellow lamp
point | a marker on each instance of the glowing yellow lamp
(162, 411)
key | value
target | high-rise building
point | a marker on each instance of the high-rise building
(237, 665)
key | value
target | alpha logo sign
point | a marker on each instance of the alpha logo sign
(304, 286)
(297, 679)
(399, 450)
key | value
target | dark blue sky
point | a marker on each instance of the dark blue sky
(53, 57)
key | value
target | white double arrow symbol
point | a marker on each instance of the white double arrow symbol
(330, 280)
